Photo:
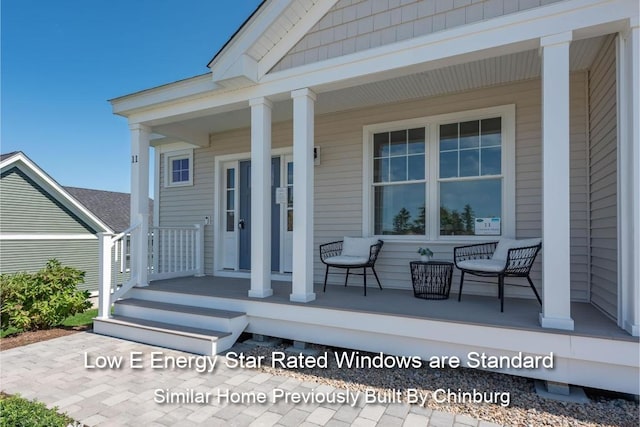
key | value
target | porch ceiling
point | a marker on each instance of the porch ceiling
(487, 72)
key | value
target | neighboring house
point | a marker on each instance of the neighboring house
(110, 206)
(415, 110)
(40, 220)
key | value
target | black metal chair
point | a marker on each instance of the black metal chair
(331, 254)
(508, 258)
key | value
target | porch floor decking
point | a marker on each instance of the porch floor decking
(476, 310)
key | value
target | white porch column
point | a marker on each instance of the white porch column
(303, 123)
(140, 200)
(556, 277)
(260, 198)
(628, 55)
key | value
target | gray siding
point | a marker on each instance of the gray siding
(603, 180)
(338, 179)
(26, 208)
(355, 25)
(32, 255)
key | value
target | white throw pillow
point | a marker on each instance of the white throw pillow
(504, 245)
(502, 249)
(358, 246)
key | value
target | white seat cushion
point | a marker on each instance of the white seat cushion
(505, 244)
(346, 260)
(486, 265)
(358, 246)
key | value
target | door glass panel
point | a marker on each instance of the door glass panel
(289, 196)
(230, 200)
(231, 221)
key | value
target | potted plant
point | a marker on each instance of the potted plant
(425, 254)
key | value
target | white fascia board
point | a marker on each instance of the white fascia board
(243, 41)
(175, 146)
(192, 86)
(300, 29)
(41, 178)
(499, 36)
(48, 236)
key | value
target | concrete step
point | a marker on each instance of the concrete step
(178, 337)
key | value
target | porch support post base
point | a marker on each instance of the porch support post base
(303, 192)
(302, 297)
(260, 198)
(556, 226)
(260, 293)
(634, 330)
(565, 323)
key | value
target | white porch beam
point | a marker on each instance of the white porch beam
(556, 259)
(303, 135)
(628, 67)
(140, 136)
(260, 198)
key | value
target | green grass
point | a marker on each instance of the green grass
(18, 411)
(81, 319)
(9, 331)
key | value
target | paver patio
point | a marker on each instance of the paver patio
(54, 372)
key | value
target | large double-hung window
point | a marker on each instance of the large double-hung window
(441, 177)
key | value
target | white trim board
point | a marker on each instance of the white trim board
(19, 236)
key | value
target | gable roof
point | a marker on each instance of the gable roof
(111, 207)
(5, 156)
(19, 160)
(264, 39)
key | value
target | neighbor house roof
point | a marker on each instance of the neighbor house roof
(110, 206)
(19, 160)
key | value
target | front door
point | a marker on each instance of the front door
(244, 215)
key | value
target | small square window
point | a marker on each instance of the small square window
(179, 168)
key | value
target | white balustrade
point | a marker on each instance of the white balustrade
(172, 252)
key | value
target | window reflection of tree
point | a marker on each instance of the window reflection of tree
(402, 223)
(453, 222)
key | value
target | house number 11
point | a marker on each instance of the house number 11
(134, 159)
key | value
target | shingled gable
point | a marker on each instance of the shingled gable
(264, 39)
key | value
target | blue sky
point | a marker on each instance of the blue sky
(62, 61)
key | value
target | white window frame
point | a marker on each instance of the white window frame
(431, 123)
(169, 157)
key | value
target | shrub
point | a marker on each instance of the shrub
(16, 411)
(41, 300)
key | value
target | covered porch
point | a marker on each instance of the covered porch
(478, 310)
(395, 322)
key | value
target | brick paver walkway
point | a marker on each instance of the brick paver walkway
(54, 372)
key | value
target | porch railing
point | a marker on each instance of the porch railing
(176, 252)
(171, 252)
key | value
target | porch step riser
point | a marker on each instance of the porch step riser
(162, 339)
(181, 318)
(176, 298)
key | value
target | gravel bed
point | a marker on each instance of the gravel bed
(526, 407)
